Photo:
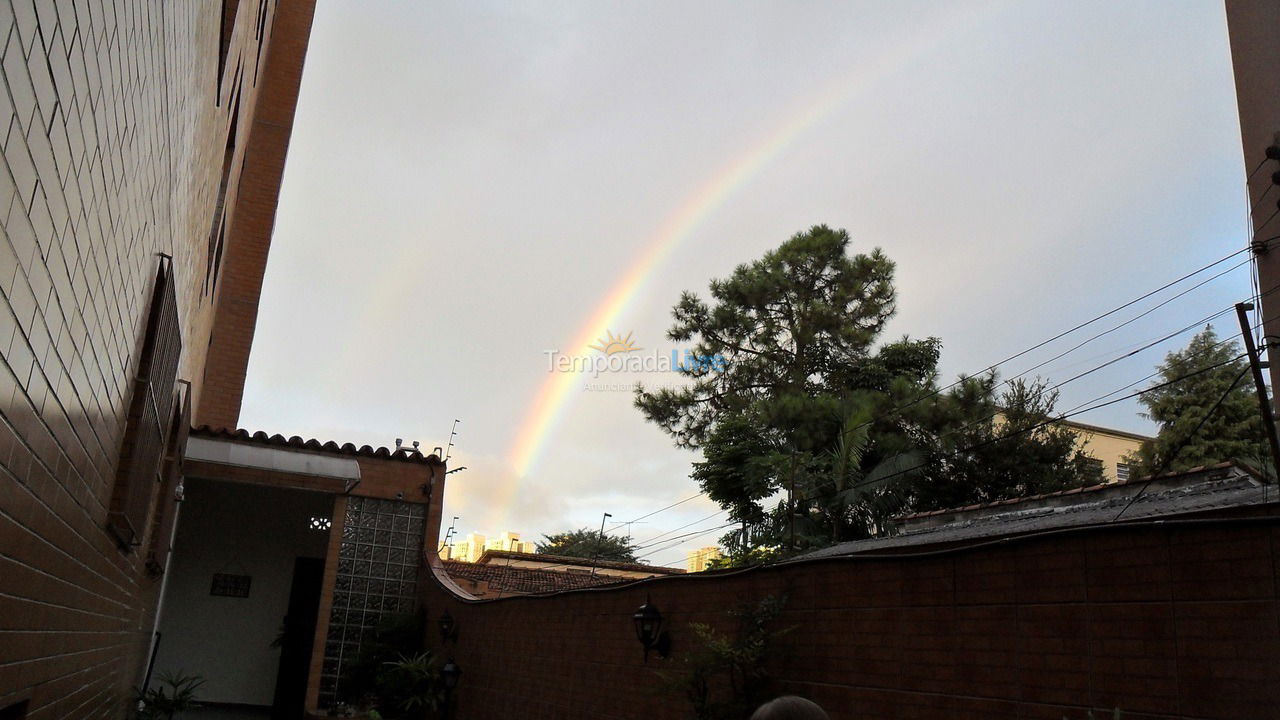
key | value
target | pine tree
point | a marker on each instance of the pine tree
(1234, 429)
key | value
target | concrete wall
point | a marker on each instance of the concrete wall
(240, 529)
(1162, 621)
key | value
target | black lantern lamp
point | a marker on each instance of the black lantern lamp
(649, 630)
(448, 627)
(451, 674)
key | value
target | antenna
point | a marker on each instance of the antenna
(448, 535)
(453, 432)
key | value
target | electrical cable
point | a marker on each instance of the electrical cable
(1173, 455)
(938, 391)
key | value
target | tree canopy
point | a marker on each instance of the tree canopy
(1233, 431)
(799, 397)
(588, 543)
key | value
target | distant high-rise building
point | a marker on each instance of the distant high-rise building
(700, 559)
(470, 549)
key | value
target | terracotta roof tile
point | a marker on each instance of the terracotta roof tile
(501, 555)
(525, 580)
(261, 438)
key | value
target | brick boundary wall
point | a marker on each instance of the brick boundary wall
(1164, 620)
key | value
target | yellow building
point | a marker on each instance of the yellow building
(1109, 447)
(700, 559)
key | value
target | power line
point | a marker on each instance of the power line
(1078, 410)
(1041, 424)
(676, 541)
(1059, 336)
(673, 542)
(1164, 466)
(652, 541)
(655, 512)
(938, 391)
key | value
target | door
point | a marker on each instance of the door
(297, 639)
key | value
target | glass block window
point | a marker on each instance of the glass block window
(378, 561)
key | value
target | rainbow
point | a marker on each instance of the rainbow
(554, 396)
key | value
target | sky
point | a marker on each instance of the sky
(474, 186)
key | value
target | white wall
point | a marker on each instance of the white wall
(239, 529)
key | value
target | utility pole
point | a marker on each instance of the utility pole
(600, 545)
(1268, 418)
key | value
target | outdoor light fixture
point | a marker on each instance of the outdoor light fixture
(649, 630)
(448, 627)
(451, 674)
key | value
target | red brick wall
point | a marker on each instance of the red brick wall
(253, 218)
(1173, 621)
(113, 132)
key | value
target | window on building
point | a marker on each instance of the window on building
(1122, 472)
(261, 38)
(320, 523)
(1095, 466)
(218, 228)
(166, 514)
(146, 432)
(229, 9)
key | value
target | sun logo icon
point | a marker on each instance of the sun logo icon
(612, 344)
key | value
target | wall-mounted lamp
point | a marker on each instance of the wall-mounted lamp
(448, 627)
(451, 674)
(649, 630)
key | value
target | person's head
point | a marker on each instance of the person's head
(789, 707)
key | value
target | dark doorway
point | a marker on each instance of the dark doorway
(297, 638)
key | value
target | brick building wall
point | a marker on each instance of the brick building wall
(123, 129)
(1162, 620)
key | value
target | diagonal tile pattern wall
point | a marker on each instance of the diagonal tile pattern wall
(123, 130)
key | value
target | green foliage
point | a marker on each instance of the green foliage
(723, 676)
(975, 458)
(1234, 430)
(738, 472)
(790, 327)
(810, 405)
(397, 636)
(411, 686)
(587, 543)
(173, 693)
(797, 332)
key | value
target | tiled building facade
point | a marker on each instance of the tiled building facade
(132, 132)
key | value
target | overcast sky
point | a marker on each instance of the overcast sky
(468, 181)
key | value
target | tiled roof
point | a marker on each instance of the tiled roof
(507, 555)
(261, 438)
(1219, 488)
(525, 580)
(1167, 477)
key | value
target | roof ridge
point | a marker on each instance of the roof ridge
(261, 438)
